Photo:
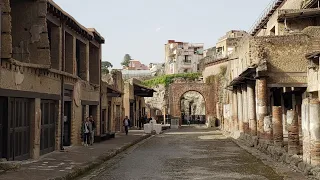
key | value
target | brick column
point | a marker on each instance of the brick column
(293, 132)
(240, 106)
(305, 121)
(314, 131)
(35, 128)
(252, 109)
(245, 109)
(262, 103)
(277, 126)
(235, 110)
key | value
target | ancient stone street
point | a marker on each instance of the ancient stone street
(189, 153)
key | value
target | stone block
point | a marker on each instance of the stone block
(282, 158)
(295, 160)
(301, 166)
(10, 165)
(288, 158)
(6, 23)
(6, 45)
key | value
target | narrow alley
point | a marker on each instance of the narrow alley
(189, 153)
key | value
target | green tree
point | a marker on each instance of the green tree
(105, 65)
(126, 60)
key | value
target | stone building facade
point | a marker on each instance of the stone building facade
(45, 78)
(271, 93)
(133, 100)
(182, 57)
(112, 111)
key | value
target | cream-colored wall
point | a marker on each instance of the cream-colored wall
(26, 79)
(213, 70)
(273, 19)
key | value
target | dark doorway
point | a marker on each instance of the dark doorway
(67, 124)
(3, 123)
(103, 121)
(18, 135)
(109, 116)
(48, 126)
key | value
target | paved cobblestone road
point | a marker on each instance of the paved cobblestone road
(189, 153)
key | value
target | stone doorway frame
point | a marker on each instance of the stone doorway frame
(177, 90)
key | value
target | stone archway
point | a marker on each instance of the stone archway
(177, 90)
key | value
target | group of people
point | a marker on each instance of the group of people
(198, 119)
(127, 123)
(87, 131)
(88, 128)
(143, 120)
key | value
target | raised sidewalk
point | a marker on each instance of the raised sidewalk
(75, 161)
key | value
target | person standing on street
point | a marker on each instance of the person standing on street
(126, 124)
(93, 124)
(86, 127)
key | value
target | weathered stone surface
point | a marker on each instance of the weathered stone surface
(10, 165)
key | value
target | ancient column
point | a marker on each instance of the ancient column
(293, 132)
(245, 109)
(252, 109)
(240, 106)
(267, 128)
(235, 124)
(314, 118)
(277, 126)
(305, 122)
(35, 128)
(262, 103)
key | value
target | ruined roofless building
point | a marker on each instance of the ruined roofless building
(50, 73)
(272, 83)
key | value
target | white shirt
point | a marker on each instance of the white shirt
(86, 127)
(126, 122)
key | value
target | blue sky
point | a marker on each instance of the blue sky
(142, 27)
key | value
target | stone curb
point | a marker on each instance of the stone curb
(82, 169)
(277, 154)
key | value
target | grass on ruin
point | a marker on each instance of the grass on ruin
(168, 79)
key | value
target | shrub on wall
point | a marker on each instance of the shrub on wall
(168, 79)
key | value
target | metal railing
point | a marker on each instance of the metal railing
(264, 14)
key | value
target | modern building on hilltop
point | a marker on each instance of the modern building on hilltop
(182, 57)
(136, 65)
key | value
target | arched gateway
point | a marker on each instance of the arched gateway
(177, 90)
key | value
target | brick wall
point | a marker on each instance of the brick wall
(176, 91)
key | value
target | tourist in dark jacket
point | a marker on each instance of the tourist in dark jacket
(126, 124)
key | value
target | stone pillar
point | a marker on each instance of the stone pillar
(58, 126)
(284, 116)
(277, 126)
(235, 110)
(262, 103)
(267, 128)
(314, 131)
(240, 106)
(305, 121)
(245, 109)
(35, 128)
(293, 132)
(252, 109)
